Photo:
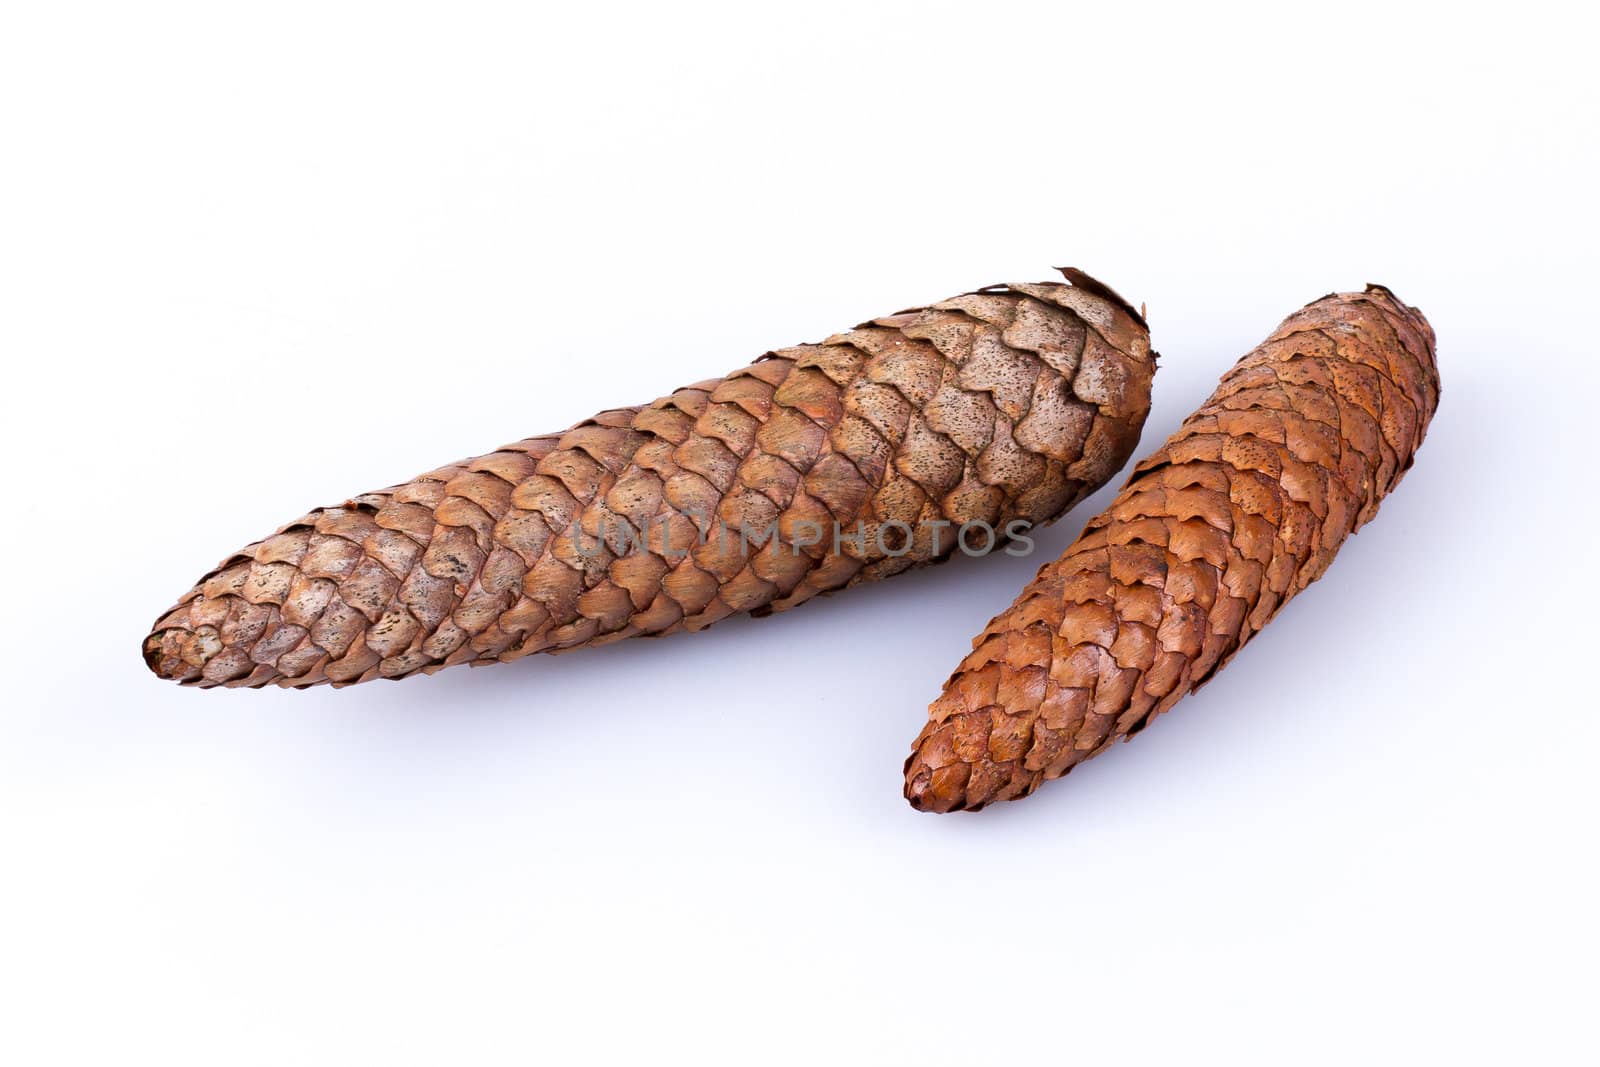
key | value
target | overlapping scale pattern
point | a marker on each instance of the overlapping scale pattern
(1009, 403)
(1242, 508)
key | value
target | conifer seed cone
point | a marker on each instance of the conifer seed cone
(1009, 403)
(1242, 508)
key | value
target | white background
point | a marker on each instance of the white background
(255, 258)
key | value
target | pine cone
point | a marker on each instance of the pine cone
(1010, 403)
(1243, 507)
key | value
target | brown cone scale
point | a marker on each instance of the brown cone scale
(1013, 402)
(1242, 508)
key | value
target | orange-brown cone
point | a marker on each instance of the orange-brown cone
(1242, 508)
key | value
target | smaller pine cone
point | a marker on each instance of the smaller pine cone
(1009, 404)
(1242, 508)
